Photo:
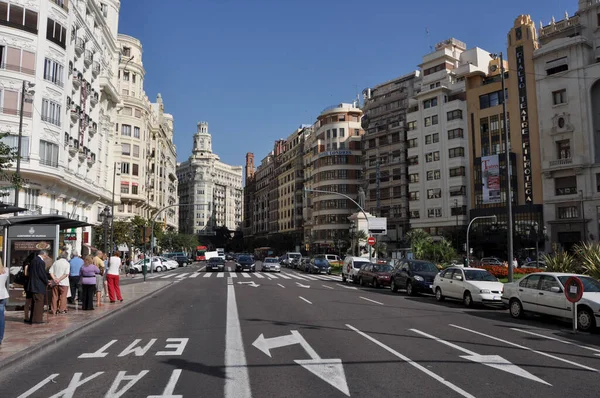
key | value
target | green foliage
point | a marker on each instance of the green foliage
(419, 241)
(8, 155)
(561, 261)
(589, 257)
(425, 248)
(175, 242)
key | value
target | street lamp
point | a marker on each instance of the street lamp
(456, 232)
(105, 217)
(26, 91)
(493, 217)
(583, 217)
(112, 225)
(509, 221)
(536, 228)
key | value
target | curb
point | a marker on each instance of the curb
(42, 346)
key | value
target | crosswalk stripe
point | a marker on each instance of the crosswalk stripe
(220, 274)
(182, 275)
(153, 276)
(310, 278)
(166, 276)
(271, 276)
(283, 276)
(195, 275)
(232, 275)
(245, 275)
(207, 275)
(298, 277)
(259, 276)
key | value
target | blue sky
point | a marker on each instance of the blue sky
(256, 70)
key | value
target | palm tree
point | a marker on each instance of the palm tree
(418, 240)
(356, 236)
(589, 257)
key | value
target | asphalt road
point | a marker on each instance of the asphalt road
(297, 335)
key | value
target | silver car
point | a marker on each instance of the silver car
(271, 264)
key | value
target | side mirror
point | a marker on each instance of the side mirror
(555, 289)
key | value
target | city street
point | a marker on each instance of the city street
(292, 334)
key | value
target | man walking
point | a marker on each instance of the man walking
(75, 267)
(36, 284)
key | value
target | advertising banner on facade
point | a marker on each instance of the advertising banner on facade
(490, 178)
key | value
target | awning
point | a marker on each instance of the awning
(46, 219)
(6, 208)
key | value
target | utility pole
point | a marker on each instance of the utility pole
(24, 91)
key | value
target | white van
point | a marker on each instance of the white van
(351, 267)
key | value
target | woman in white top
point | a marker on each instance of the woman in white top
(112, 277)
(3, 297)
(59, 274)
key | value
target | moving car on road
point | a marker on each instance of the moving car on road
(318, 264)
(245, 262)
(271, 264)
(291, 259)
(471, 285)
(416, 276)
(375, 274)
(544, 293)
(215, 264)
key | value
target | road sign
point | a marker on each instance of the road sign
(574, 289)
(371, 241)
(328, 370)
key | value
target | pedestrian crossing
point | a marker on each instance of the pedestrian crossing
(248, 275)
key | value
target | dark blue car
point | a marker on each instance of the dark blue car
(318, 265)
(416, 276)
(245, 263)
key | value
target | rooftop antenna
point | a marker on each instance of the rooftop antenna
(428, 38)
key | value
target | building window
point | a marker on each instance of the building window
(491, 99)
(413, 160)
(136, 151)
(136, 131)
(414, 178)
(124, 168)
(126, 51)
(125, 149)
(458, 191)
(53, 72)
(48, 154)
(15, 16)
(568, 212)
(456, 152)
(563, 149)
(125, 188)
(458, 211)
(134, 189)
(434, 213)
(125, 76)
(434, 138)
(434, 193)
(452, 115)
(431, 120)
(126, 130)
(356, 132)
(557, 65)
(51, 112)
(413, 143)
(104, 9)
(457, 171)
(565, 185)
(135, 170)
(138, 113)
(412, 126)
(455, 133)
(559, 97)
(434, 175)
(430, 103)
(414, 214)
(12, 141)
(432, 157)
(56, 33)
(413, 196)
(342, 132)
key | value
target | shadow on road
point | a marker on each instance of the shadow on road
(197, 367)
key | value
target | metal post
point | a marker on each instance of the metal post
(105, 222)
(19, 143)
(456, 232)
(574, 317)
(112, 224)
(537, 249)
(583, 218)
(509, 220)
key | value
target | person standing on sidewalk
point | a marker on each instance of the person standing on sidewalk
(88, 283)
(59, 273)
(36, 284)
(75, 266)
(112, 276)
(3, 297)
(99, 261)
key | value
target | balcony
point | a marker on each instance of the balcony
(94, 99)
(96, 69)
(88, 58)
(75, 112)
(566, 25)
(91, 159)
(81, 155)
(93, 129)
(32, 210)
(571, 163)
(79, 46)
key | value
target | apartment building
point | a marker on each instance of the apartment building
(213, 187)
(566, 69)
(437, 143)
(384, 145)
(145, 166)
(69, 51)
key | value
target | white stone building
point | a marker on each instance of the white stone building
(215, 189)
(68, 49)
(567, 72)
(146, 158)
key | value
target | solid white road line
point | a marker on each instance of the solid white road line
(328, 287)
(526, 348)
(348, 287)
(220, 274)
(195, 275)
(302, 298)
(245, 275)
(237, 381)
(153, 276)
(259, 276)
(207, 275)
(280, 285)
(406, 359)
(232, 275)
(597, 351)
(283, 276)
(373, 301)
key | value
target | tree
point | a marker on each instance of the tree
(355, 237)
(172, 242)
(440, 251)
(419, 241)
(7, 157)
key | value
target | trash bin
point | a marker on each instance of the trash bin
(144, 269)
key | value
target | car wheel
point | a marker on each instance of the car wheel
(585, 320)
(184, 264)
(516, 308)
(393, 286)
(361, 282)
(375, 284)
(159, 269)
(344, 278)
(467, 299)
(438, 294)
(409, 288)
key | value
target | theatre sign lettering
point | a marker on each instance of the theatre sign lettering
(524, 123)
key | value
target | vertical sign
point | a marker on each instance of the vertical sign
(524, 126)
(490, 179)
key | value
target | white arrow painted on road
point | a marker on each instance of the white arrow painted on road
(494, 361)
(301, 285)
(253, 284)
(328, 370)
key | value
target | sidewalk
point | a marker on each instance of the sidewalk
(21, 339)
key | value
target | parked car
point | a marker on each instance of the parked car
(288, 258)
(271, 264)
(491, 261)
(168, 263)
(318, 264)
(534, 264)
(333, 259)
(351, 267)
(182, 261)
(245, 262)
(215, 264)
(303, 264)
(157, 266)
(416, 276)
(471, 285)
(375, 274)
(543, 293)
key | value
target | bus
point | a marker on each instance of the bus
(200, 254)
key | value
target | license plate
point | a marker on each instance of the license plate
(496, 298)
(431, 286)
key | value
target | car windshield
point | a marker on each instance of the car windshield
(382, 268)
(245, 259)
(271, 260)
(294, 255)
(590, 285)
(476, 275)
(320, 261)
(359, 264)
(424, 267)
(215, 260)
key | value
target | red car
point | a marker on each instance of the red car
(375, 274)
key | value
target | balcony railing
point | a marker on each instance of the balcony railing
(96, 68)
(49, 162)
(88, 58)
(13, 111)
(561, 162)
(17, 68)
(30, 29)
(79, 46)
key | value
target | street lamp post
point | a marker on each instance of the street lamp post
(583, 217)
(26, 89)
(112, 224)
(456, 232)
(152, 230)
(357, 205)
(106, 216)
(469, 228)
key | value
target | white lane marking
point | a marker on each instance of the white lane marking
(202, 269)
(259, 276)
(237, 381)
(298, 277)
(115, 391)
(170, 387)
(98, 353)
(494, 361)
(281, 285)
(232, 275)
(328, 287)
(373, 301)
(283, 276)
(39, 385)
(182, 275)
(270, 276)
(166, 276)
(406, 359)
(207, 275)
(559, 340)
(310, 278)
(302, 298)
(195, 275)
(220, 274)
(152, 276)
(526, 348)
(348, 287)
(245, 275)
(301, 285)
